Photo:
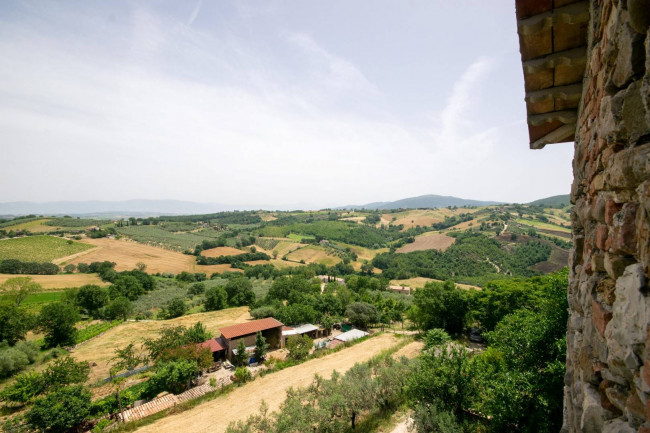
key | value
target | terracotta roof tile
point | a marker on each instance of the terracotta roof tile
(213, 345)
(234, 331)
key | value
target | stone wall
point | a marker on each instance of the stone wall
(607, 384)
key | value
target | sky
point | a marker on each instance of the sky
(271, 103)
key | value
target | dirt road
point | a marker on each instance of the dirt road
(214, 416)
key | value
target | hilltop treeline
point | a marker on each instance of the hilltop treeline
(245, 257)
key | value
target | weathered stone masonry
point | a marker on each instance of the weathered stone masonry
(607, 383)
(608, 337)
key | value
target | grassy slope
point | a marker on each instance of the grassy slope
(39, 248)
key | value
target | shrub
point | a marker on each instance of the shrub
(91, 298)
(12, 361)
(216, 298)
(57, 321)
(435, 337)
(186, 277)
(66, 371)
(60, 410)
(175, 308)
(119, 308)
(242, 375)
(24, 388)
(196, 289)
(173, 376)
(299, 346)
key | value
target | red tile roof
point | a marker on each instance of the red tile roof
(213, 345)
(234, 331)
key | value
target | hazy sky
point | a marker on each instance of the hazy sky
(311, 103)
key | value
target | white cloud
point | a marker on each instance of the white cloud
(163, 110)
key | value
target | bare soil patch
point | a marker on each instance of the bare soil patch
(213, 416)
(410, 351)
(432, 241)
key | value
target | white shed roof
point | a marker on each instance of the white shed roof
(351, 335)
(300, 329)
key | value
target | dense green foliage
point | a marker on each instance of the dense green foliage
(57, 321)
(517, 383)
(472, 255)
(299, 346)
(245, 257)
(349, 232)
(60, 410)
(14, 266)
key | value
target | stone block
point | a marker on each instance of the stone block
(618, 426)
(635, 407)
(639, 11)
(628, 168)
(601, 316)
(593, 414)
(611, 208)
(615, 265)
(598, 262)
(624, 233)
(606, 288)
(630, 57)
(602, 231)
(635, 113)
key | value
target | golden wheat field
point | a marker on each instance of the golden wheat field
(428, 241)
(127, 254)
(61, 281)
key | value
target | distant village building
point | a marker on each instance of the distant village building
(327, 279)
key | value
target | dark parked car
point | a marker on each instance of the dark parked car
(475, 335)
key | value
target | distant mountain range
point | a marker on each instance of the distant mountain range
(423, 201)
(141, 208)
(108, 209)
(552, 201)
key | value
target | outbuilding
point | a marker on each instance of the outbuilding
(270, 328)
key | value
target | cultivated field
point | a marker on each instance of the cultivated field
(314, 254)
(36, 226)
(127, 254)
(101, 349)
(222, 251)
(543, 225)
(213, 416)
(283, 247)
(281, 264)
(63, 281)
(39, 248)
(362, 253)
(419, 282)
(428, 241)
(422, 217)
